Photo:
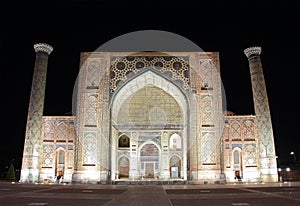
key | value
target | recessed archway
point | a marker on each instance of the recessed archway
(60, 163)
(175, 166)
(237, 162)
(124, 165)
(149, 159)
(121, 101)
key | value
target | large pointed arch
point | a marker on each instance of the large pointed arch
(147, 78)
(185, 100)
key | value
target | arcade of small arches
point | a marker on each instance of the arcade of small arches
(150, 158)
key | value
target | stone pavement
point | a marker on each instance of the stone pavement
(275, 194)
(157, 195)
(142, 195)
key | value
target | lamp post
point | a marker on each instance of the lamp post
(288, 173)
(278, 161)
(280, 176)
(279, 169)
(294, 156)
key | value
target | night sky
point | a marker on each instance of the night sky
(78, 26)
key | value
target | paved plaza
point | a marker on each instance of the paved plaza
(16, 194)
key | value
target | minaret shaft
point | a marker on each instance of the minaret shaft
(32, 143)
(268, 165)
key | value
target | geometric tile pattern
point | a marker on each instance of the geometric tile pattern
(90, 111)
(250, 154)
(208, 145)
(122, 68)
(48, 156)
(62, 131)
(248, 129)
(49, 130)
(235, 130)
(89, 151)
(93, 78)
(207, 110)
(207, 67)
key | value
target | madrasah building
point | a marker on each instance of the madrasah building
(155, 116)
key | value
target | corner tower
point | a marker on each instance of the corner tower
(268, 166)
(31, 153)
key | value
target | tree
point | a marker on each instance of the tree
(10, 175)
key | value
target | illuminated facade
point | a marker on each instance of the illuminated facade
(149, 115)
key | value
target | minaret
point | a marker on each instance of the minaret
(32, 143)
(268, 165)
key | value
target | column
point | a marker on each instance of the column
(32, 144)
(268, 165)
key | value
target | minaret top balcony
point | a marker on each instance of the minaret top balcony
(42, 47)
(252, 51)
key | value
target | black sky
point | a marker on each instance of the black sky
(77, 26)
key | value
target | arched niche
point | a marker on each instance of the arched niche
(124, 142)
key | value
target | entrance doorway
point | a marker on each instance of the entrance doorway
(149, 170)
(237, 164)
(175, 165)
(150, 158)
(174, 172)
(60, 163)
(123, 167)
